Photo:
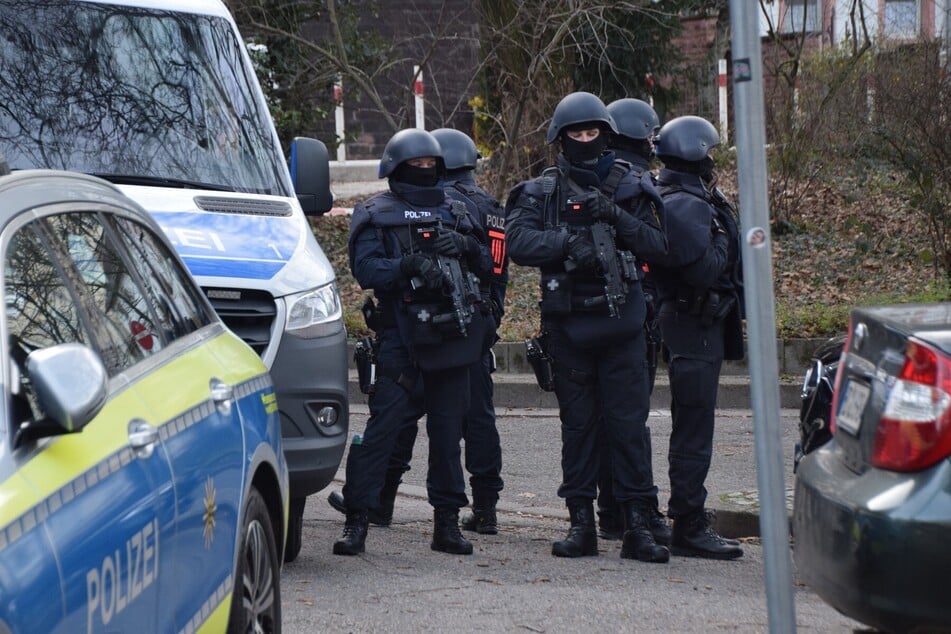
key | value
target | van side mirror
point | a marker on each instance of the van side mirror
(310, 174)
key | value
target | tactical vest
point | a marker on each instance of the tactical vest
(579, 301)
(492, 220)
(442, 329)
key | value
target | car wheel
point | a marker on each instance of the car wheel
(256, 603)
(295, 529)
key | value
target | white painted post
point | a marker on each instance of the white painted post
(724, 106)
(339, 120)
(418, 92)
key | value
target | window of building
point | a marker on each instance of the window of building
(797, 13)
(900, 19)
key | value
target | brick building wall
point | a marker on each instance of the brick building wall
(451, 71)
(441, 36)
(701, 45)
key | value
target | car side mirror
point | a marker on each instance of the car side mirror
(310, 174)
(69, 382)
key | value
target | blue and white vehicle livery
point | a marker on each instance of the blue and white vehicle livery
(143, 486)
(160, 98)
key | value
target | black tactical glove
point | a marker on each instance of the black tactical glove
(421, 267)
(581, 251)
(605, 210)
(457, 245)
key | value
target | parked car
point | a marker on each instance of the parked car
(143, 483)
(872, 509)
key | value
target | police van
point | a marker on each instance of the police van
(160, 99)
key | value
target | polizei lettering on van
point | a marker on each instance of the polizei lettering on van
(122, 577)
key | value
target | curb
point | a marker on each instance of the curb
(519, 391)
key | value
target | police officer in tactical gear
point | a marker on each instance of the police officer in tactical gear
(636, 124)
(421, 255)
(698, 292)
(581, 223)
(483, 451)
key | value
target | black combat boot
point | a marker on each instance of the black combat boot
(447, 537)
(354, 537)
(638, 541)
(610, 525)
(582, 540)
(658, 525)
(694, 537)
(482, 519)
(379, 516)
(712, 521)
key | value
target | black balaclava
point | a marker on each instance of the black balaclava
(579, 153)
(419, 176)
(462, 174)
(638, 147)
(703, 168)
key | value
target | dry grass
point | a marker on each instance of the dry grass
(848, 245)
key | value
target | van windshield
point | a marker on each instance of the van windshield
(134, 95)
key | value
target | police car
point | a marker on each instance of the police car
(143, 484)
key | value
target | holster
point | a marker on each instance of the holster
(540, 361)
(716, 306)
(364, 357)
(371, 315)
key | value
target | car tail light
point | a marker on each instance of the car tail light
(915, 429)
(840, 372)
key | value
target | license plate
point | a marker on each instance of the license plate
(849, 416)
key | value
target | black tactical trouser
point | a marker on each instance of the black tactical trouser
(392, 411)
(483, 454)
(606, 499)
(603, 388)
(695, 356)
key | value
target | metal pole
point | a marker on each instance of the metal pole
(760, 313)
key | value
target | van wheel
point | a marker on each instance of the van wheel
(256, 601)
(295, 529)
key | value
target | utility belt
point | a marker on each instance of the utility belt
(710, 305)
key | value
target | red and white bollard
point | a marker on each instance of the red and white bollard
(724, 106)
(418, 93)
(339, 120)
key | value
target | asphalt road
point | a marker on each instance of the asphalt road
(512, 583)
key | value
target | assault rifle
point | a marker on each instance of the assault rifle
(462, 287)
(615, 291)
(610, 261)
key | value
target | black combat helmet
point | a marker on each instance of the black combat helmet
(688, 139)
(458, 149)
(409, 144)
(635, 119)
(579, 107)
